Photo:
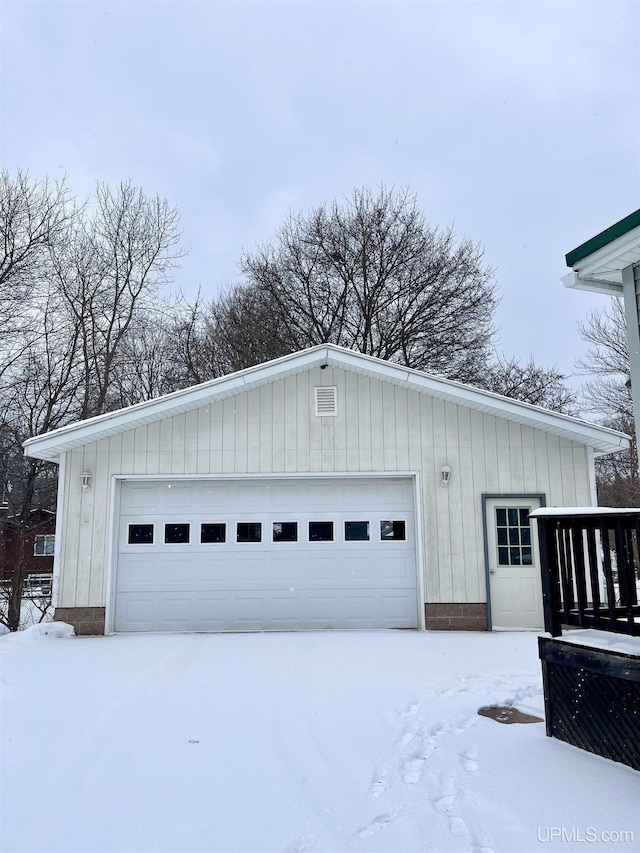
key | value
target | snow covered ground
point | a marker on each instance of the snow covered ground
(293, 743)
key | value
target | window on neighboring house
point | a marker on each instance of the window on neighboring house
(44, 545)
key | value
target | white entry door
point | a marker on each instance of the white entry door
(514, 571)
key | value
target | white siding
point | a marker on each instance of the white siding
(379, 427)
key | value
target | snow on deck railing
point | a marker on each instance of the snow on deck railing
(590, 565)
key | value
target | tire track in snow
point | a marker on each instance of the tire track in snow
(131, 711)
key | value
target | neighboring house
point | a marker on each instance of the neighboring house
(325, 489)
(38, 548)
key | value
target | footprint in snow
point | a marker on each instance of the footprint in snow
(482, 844)
(406, 738)
(376, 825)
(465, 724)
(379, 784)
(304, 844)
(448, 806)
(468, 760)
(410, 710)
(413, 770)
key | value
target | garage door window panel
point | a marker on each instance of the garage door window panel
(140, 534)
(393, 531)
(249, 531)
(285, 531)
(176, 534)
(211, 534)
(321, 531)
(356, 531)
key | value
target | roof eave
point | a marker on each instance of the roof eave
(599, 263)
(50, 445)
(604, 238)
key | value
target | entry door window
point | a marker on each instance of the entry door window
(513, 536)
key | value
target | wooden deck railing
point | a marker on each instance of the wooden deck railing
(590, 564)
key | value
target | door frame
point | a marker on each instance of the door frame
(540, 496)
(113, 521)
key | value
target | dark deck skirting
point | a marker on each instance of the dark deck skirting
(592, 699)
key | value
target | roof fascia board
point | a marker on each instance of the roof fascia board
(487, 401)
(604, 238)
(150, 410)
(49, 445)
(594, 285)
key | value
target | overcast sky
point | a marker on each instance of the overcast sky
(516, 122)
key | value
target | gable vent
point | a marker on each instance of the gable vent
(326, 400)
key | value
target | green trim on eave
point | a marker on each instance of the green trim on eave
(607, 236)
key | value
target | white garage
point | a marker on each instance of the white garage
(266, 554)
(325, 489)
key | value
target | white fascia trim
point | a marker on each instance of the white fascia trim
(279, 475)
(50, 445)
(605, 265)
(595, 285)
(59, 540)
(487, 401)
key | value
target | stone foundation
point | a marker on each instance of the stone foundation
(87, 621)
(455, 617)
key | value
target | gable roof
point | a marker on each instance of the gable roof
(51, 445)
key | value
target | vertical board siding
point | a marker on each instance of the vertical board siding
(379, 427)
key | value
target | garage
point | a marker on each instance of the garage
(274, 553)
(324, 489)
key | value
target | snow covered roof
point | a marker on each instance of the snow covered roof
(51, 445)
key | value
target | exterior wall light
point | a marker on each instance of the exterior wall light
(85, 478)
(445, 475)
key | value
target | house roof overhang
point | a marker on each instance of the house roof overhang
(50, 446)
(597, 264)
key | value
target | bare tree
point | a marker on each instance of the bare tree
(529, 382)
(86, 284)
(33, 216)
(109, 271)
(38, 393)
(373, 276)
(607, 395)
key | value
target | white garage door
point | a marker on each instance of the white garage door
(270, 554)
